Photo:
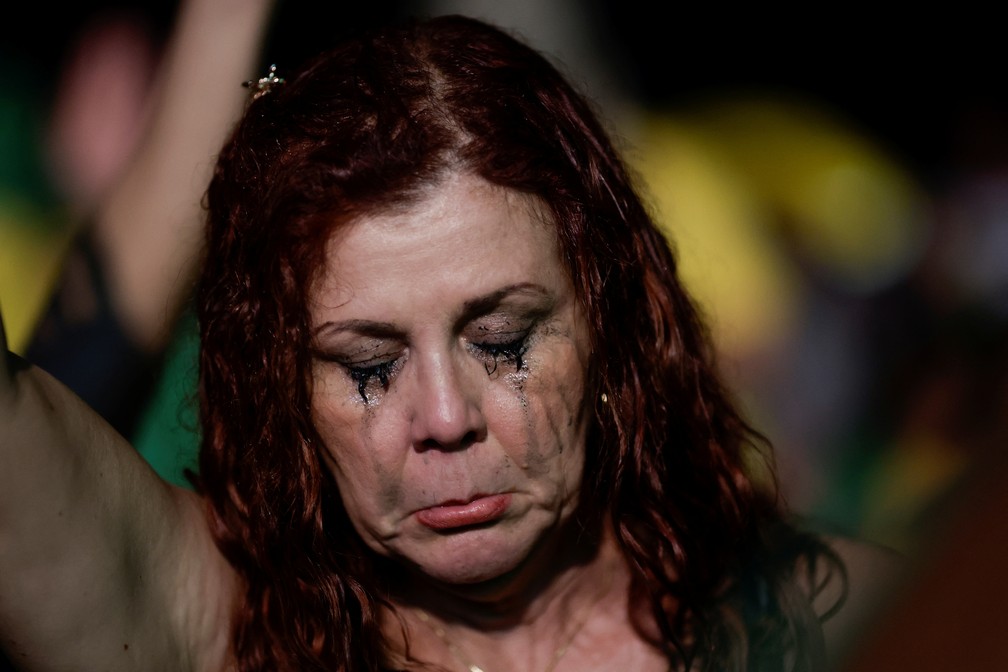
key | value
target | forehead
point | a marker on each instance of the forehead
(464, 237)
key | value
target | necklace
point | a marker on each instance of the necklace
(459, 655)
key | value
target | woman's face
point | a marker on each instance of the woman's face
(450, 373)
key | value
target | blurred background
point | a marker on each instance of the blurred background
(836, 186)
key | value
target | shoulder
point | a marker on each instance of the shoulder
(102, 564)
(853, 601)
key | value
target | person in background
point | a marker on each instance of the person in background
(135, 182)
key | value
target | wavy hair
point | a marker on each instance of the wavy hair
(372, 124)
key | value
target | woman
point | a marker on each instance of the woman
(458, 411)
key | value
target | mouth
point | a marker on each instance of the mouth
(453, 515)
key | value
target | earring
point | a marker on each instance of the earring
(605, 398)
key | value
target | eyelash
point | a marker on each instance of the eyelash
(491, 354)
(362, 375)
(512, 351)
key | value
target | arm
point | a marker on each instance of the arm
(148, 230)
(130, 268)
(102, 565)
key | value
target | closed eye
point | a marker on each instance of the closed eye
(510, 351)
(369, 373)
(364, 375)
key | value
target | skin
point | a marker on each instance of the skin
(476, 354)
(451, 368)
(471, 352)
(111, 568)
(104, 566)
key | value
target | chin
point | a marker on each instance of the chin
(472, 557)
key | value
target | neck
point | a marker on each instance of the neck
(530, 615)
(554, 567)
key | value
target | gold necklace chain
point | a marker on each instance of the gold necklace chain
(456, 651)
(452, 647)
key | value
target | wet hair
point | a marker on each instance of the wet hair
(374, 124)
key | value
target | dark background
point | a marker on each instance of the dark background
(930, 86)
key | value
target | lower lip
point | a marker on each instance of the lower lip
(452, 516)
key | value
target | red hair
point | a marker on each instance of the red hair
(371, 124)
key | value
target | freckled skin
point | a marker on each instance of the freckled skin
(452, 422)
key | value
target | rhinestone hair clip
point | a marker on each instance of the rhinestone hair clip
(264, 85)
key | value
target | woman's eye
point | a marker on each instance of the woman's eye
(371, 375)
(491, 353)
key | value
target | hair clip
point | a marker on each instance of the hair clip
(264, 85)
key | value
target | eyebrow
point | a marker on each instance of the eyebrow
(474, 307)
(484, 304)
(364, 327)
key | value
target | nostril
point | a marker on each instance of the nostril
(469, 438)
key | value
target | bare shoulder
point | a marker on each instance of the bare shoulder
(103, 565)
(873, 575)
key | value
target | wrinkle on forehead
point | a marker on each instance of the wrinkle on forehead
(436, 196)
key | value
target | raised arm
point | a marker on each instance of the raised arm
(102, 565)
(148, 229)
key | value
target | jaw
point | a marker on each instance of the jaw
(505, 599)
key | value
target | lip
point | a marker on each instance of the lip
(453, 515)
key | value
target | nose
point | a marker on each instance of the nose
(447, 412)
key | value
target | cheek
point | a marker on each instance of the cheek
(367, 479)
(551, 417)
